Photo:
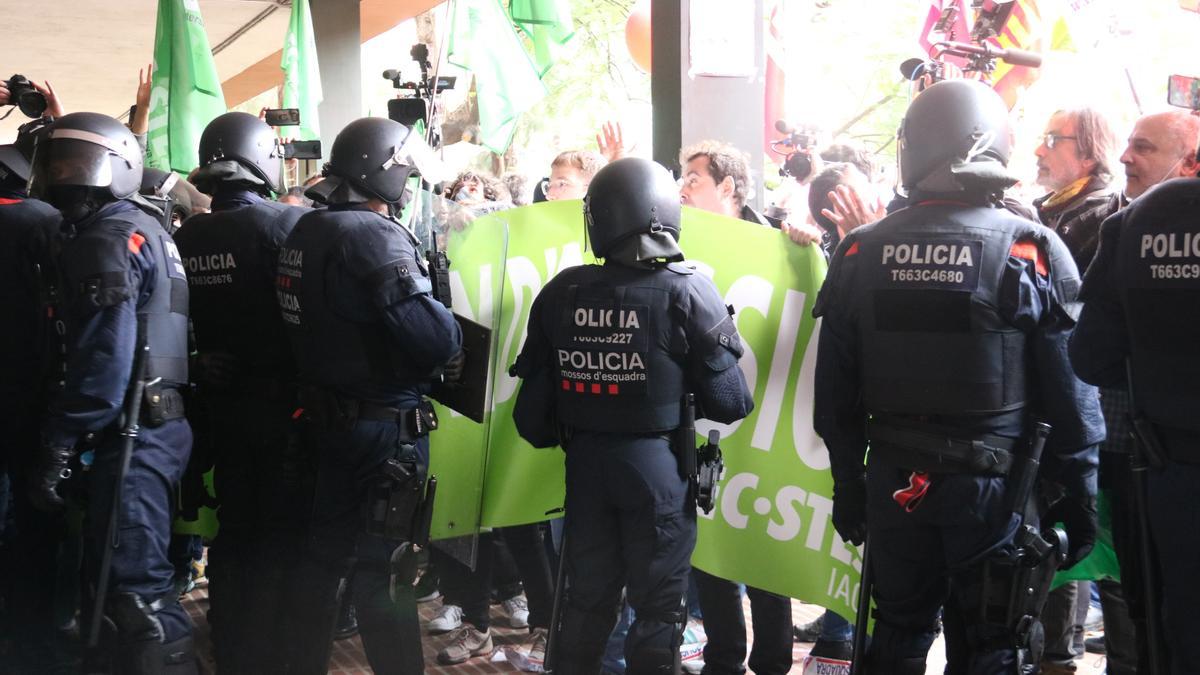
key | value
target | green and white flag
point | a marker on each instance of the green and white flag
(301, 75)
(185, 92)
(484, 41)
(549, 27)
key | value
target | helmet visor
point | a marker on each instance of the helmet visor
(69, 161)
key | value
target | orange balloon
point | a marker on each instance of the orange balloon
(637, 34)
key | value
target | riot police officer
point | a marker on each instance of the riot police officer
(28, 366)
(124, 292)
(943, 340)
(369, 339)
(1141, 297)
(611, 351)
(246, 386)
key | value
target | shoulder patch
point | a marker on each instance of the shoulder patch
(1028, 250)
(135, 242)
(853, 250)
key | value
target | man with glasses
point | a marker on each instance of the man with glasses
(1073, 163)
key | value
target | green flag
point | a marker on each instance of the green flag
(185, 94)
(482, 40)
(548, 25)
(301, 76)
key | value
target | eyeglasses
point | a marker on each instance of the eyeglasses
(557, 185)
(1050, 140)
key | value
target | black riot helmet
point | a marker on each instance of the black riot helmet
(955, 136)
(15, 158)
(370, 156)
(242, 138)
(86, 153)
(630, 197)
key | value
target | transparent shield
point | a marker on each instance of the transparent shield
(475, 248)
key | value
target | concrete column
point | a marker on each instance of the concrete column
(336, 27)
(691, 107)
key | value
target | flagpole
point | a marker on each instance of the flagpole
(437, 68)
(1133, 90)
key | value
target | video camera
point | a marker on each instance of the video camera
(797, 149)
(21, 93)
(417, 105)
(980, 54)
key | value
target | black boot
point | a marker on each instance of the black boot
(347, 622)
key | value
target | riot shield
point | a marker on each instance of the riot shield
(475, 249)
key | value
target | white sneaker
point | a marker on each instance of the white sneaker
(517, 610)
(448, 618)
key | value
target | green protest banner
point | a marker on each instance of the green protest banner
(771, 526)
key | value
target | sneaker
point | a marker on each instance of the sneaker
(840, 650)
(1095, 645)
(448, 618)
(537, 645)
(517, 610)
(809, 632)
(464, 644)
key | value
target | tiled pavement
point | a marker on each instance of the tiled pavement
(348, 657)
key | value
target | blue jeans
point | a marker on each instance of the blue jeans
(835, 628)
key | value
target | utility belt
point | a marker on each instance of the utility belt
(161, 403)
(934, 450)
(333, 411)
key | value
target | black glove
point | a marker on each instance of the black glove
(50, 468)
(1079, 518)
(453, 370)
(850, 509)
(214, 369)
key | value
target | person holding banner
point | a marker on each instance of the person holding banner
(369, 340)
(943, 342)
(611, 352)
(716, 178)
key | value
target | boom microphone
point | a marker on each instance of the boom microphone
(783, 127)
(1016, 57)
(391, 74)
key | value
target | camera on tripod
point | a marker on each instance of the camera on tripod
(21, 93)
(416, 105)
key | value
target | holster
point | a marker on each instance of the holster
(394, 497)
(710, 465)
(160, 405)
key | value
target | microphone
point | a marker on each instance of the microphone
(391, 74)
(1016, 57)
(783, 127)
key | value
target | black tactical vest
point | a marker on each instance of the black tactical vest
(1159, 278)
(95, 264)
(29, 345)
(932, 337)
(619, 345)
(231, 258)
(340, 340)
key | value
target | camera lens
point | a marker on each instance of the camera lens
(32, 104)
